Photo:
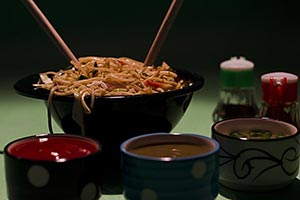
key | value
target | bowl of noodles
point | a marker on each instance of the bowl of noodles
(113, 99)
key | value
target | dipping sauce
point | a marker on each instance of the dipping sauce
(172, 150)
(53, 148)
(257, 135)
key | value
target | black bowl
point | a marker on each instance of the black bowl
(72, 174)
(116, 119)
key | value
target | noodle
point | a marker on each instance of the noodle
(107, 76)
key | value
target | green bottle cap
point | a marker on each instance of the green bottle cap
(237, 72)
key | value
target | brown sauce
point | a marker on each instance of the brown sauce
(172, 150)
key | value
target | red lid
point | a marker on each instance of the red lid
(279, 87)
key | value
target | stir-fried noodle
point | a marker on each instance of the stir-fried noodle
(107, 76)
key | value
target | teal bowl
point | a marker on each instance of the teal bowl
(166, 175)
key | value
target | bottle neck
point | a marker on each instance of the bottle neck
(238, 96)
(235, 102)
(287, 111)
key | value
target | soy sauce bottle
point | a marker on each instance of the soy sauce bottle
(237, 97)
(279, 97)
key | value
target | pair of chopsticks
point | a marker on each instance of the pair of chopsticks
(56, 38)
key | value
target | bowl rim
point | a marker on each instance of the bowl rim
(56, 135)
(24, 87)
(215, 132)
(212, 152)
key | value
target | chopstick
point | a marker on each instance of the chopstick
(163, 32)
(50, 30)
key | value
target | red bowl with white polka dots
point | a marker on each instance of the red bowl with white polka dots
(56, 166)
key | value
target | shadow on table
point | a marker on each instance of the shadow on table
(291, 192)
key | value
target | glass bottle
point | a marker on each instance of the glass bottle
(237, 96)
(279, 97)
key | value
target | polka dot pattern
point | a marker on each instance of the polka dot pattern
(38, 176)
(199, 169)
(148, 194)
(89, 192)
(192, 177)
